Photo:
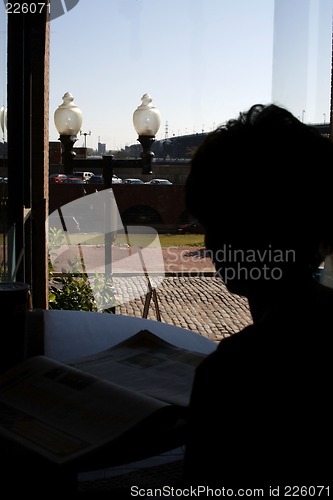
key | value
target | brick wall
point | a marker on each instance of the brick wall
(165, 204)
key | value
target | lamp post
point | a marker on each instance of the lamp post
(146, 120)
(85, 137)
(68, 121)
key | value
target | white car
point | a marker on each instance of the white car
(84, 175)
(164, 182)
(116, 179)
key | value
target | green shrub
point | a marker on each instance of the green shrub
(73, 289)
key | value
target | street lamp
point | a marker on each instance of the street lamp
(146, 120)
(85, 137)
(68, 121)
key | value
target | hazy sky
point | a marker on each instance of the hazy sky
(202, 61)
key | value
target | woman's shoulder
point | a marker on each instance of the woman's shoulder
(244, 341)
(305, 321)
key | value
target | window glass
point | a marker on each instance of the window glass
(202, 62)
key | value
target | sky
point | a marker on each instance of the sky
(202, 62)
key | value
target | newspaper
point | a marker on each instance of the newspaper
(147, 364)
(63, 412)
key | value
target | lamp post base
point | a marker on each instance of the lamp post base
(146, 142)
(68, 154)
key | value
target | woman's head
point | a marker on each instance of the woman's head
(266, 178)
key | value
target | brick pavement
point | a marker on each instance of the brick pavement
(192, 297)
(199, 303)
(188, 293)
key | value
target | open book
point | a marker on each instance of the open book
(65, 411)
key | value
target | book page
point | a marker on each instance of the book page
(147, 364)
(62, 413)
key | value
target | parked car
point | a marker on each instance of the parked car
(193, 227)
(96, 179)
(84, 175)
(132, 181)
(164, 182)
(116, 179)
(57, 177)
(73, 180)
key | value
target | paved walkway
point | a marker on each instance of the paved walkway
(192, 297)
(188, 292)
(201, 304)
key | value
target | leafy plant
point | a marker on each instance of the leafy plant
(73, 289)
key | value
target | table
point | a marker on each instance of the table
(69, 335)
